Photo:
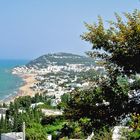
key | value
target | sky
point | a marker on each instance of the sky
(31, 28)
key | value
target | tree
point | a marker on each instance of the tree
(134, 134)
(118, 47)
(102, 105)
(120, 43)
(36, 131)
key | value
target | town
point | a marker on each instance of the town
(57, 80)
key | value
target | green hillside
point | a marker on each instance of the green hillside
(60, 59)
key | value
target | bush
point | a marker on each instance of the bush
(135, 126)
(104, 134)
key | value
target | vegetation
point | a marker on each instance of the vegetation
(103, 134)
(100, 107)
(36, 127)
(108, 102)
(120, 42)
(60, 59)
(135, 127)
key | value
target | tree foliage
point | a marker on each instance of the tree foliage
(102, 105)
(120, 42)
(35, 131)
(118, 48)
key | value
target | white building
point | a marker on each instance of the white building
(12, 136)
(3, 112)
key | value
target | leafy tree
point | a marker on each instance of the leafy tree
(86, 125)
(5, 125)
(36, 131)
(118, 48)
(120, 43)
(103, 134)
(1, 124)
(136, 84)
(72, 130)
(65, 97)
(103, 105)
(134, 124)
(4, 105)
(64, 100)
(23, 102)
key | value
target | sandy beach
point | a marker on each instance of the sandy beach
(29, 80)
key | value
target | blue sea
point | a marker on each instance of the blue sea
(9, 83)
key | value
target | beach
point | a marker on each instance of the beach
(29, 80)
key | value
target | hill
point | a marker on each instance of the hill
(60, 59)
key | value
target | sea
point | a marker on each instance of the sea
(9, 83)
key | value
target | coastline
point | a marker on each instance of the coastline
(24, 90)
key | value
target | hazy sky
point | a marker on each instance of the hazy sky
(30, 28)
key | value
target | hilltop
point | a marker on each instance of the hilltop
(60, 59)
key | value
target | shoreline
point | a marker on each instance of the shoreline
(24, 89)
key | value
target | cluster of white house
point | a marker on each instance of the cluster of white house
(54, 85)
(54, 68)
(57, 85)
